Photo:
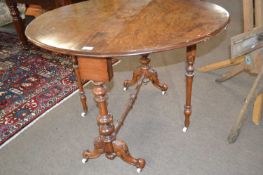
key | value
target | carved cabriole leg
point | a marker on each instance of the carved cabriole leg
(83, 98)
(106, 142)
(122, 151)
(153, 77)
(137, 74)
(98, 150)
(190, 58)
(18, 22)
(148, 72)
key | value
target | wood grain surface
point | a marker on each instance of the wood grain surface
(107, 28)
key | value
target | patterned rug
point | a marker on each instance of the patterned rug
(31, 82)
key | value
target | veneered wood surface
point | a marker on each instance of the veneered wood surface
(107, 28)
(101, 72)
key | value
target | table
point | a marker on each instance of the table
(18, 22)
(95, 31)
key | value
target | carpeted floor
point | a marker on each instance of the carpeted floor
(32, 81)
(153, 130)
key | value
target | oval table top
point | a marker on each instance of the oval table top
(108, 28)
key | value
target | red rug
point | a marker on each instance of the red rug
(31, 82)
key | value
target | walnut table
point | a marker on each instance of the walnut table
(95, 31)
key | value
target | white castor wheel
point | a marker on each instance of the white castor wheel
(139, 170)
(83, 114)
(163, 92)
(84, 160)
(184, 129)
(125, 89)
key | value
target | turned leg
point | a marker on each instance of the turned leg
(18, 22)
(106, 142)
(146, 71)
(190, 58)
(83, 98)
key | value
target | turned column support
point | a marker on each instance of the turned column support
(104, 119)
(106, 141)
(190, 59)
(145, 61)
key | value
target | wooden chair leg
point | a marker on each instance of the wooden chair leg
(18, 22)
(256, 117)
